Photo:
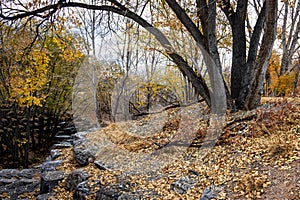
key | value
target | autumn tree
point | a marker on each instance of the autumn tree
(289, 34)
(36, 79)
(288, 37)
(199, 19)
(281, 84)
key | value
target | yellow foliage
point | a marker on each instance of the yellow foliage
(28, 72)
(285, 84)
(27, 80)
(280, 85)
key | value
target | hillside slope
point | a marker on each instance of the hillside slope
(257, 156)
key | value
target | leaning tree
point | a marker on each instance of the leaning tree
(250, 57)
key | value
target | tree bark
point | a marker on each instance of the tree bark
(252, 99)
(207, 40)
(289, 43)
(238, 68)
(248, 74)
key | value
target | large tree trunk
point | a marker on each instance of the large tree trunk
(237, 20)
(249, 67)
(239, 51)
(252, 99)
(207, 40)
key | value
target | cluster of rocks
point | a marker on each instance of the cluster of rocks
(38, 180)
(42, 179)
(15, 182)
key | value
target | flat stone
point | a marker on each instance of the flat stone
(69, 130)
(29, 173)
(26, 181)
(121, 190)
(12, 186)
(27, 185)
(9, 173)
(61, 133)
(62, 145)
(44, 196)
(51, 165)
(49, 180)
(7, 181)
(63, 137)
(130, 197)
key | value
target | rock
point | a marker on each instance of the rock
(83, 156)
(182, 185)
(55, 153)
(108, 193)
(29, 173)
(50, 165)
(62, 145)
(116, 191)
(5, 183)
(211, 192)
(49, 180)
(76, 177)
(129, 197)
(60, 133)
(62, 137)
(24, 186)
(79, 135)
(70, 130)
(112, 193)
(9, 173)
(26, 182)
(82, 190)
(102, 166)
(80, 142)
(44, 196)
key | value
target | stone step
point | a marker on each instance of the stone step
(62, 145)
(62, 137)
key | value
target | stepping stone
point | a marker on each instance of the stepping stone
(49, 180)
(44, 196)
(63, 137)
(51, 165)
(62, 145)
(29, 173)
(55, 153)
(9, 173)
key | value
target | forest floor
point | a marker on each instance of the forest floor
(257, 155)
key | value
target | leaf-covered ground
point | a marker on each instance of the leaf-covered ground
(256, 157)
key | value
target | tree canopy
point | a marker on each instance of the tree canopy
(250, 51)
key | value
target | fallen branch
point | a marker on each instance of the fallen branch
(166, 108)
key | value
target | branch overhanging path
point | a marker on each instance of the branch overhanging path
(197, 81)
